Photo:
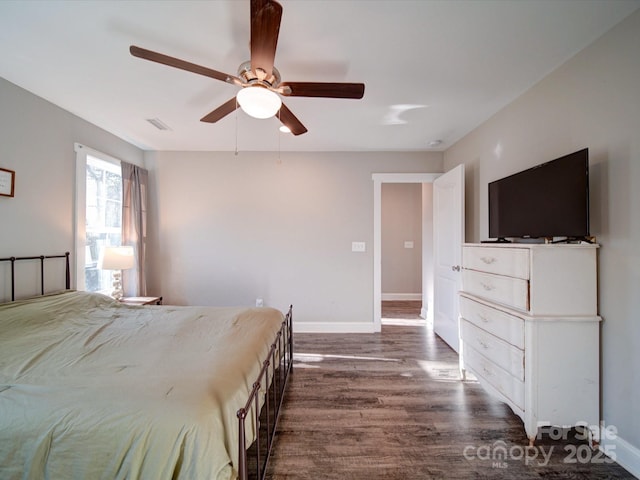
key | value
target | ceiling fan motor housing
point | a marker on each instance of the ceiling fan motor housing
(251, 77)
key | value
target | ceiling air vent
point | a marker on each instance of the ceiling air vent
(159, 124)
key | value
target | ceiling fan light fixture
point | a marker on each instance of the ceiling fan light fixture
(259, 102)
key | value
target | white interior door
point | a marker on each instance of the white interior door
(448, 235)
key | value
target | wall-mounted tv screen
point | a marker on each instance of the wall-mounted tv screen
(549, 200)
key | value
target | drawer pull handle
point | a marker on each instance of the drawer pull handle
(487, 287)
(483, 319)
(487, 372)
(488, 260)
(484, 345)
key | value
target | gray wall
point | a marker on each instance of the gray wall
(591, 101)
(230, 229)
(401, 222)
(37, 141)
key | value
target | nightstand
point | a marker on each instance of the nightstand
(141, 300)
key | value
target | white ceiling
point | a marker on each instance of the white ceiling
(433, 70)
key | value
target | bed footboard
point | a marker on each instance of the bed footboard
(269, 388)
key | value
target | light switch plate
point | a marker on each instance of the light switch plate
(408, 244)
(358, 247)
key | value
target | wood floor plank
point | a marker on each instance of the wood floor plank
(390, 406)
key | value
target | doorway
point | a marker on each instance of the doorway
(427, 269)
(402, 242)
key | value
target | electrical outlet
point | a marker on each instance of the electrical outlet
(259, 302)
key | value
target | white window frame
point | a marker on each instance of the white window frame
(80, 227)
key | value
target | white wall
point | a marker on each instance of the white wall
(591, 101)
(230, 229)
(401, 222)
(36, 140)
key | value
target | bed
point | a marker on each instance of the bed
(92, 388)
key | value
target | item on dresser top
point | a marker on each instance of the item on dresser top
(548, 200)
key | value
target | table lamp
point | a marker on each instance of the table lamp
(116, 259)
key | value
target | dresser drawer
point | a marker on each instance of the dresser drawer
(497, 322)
(513, 262)
(501, 380)
(509, 291)
(498, 351)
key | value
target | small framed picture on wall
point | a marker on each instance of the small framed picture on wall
(7, 182)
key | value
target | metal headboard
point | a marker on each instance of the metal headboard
(42, 258)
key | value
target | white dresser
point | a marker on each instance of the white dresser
(530, 330)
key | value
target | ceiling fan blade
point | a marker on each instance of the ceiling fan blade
(319, 89)
(256, 6)
(181, 64)
(220, 112)
(265, 27)
(289, 120)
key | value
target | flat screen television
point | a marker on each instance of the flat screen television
(549, 200)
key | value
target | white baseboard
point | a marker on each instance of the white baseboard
(401, 296)
(333, 327)
(627, 455)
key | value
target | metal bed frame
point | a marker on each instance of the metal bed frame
(270, 388)
(42, 258)
(265, 399)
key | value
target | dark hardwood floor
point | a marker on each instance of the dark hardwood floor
(391, 406)
(406, 310)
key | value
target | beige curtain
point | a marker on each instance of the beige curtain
(134, 226)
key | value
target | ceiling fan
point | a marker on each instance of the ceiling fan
(259, 80)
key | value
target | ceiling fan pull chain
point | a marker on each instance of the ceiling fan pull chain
(236, 151)
(279, 136)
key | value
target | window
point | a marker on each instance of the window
(98, 216)
(103, 225)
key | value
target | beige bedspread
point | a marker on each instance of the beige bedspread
(93, 389)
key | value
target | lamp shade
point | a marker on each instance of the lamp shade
(259, 102)
(116, 258)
